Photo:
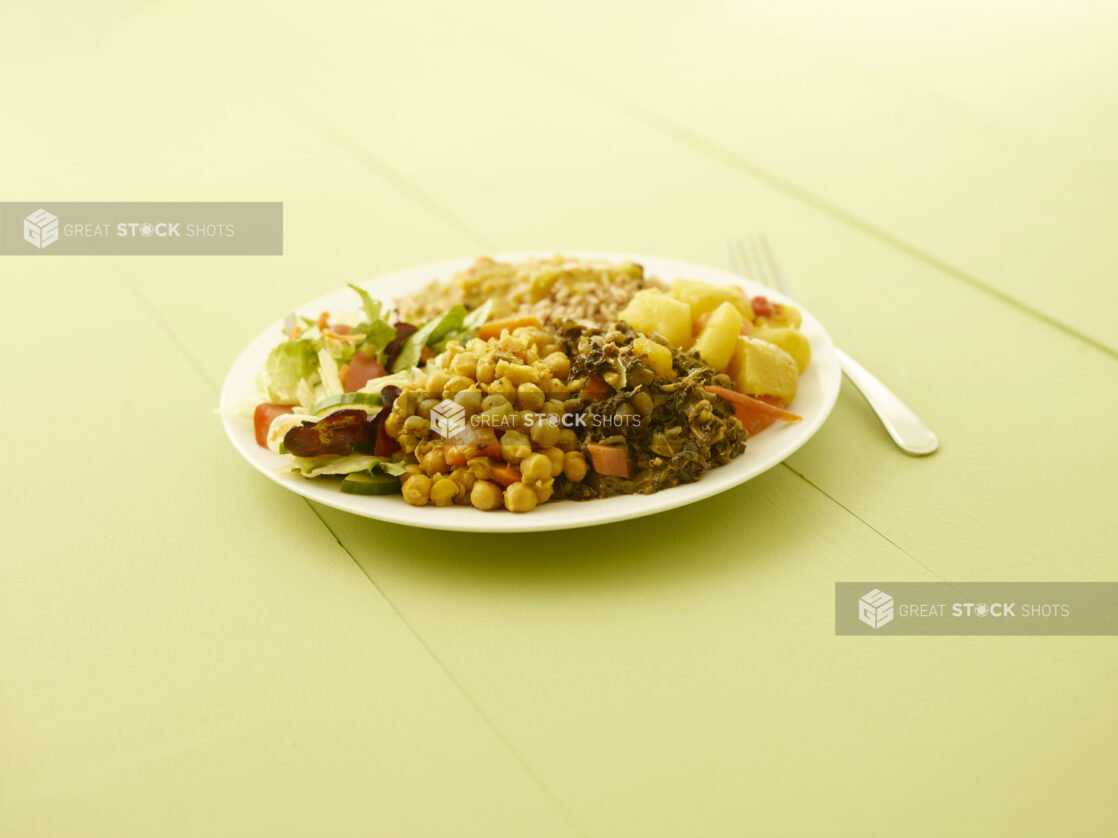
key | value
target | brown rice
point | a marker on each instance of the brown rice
(590, 291)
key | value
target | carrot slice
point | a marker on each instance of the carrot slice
(610, 460)
(596, 388)
(505, 474)
(494, 328)
(755, 415)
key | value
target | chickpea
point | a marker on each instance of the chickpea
(464, 479)
(502, 386)
(416, 425)
(529, 397)
(469, 399)
(517, 373)
(416, 489)
(535, 468)
(497, 417)
(424, 408)
(465, 365)
(519, 498)
(433, 462)
(555, 457)
(568, 439)
(544, 491)
(555, 389)
(624, 410)
(412, 468)
(493, 401)
(485, 495)
(482, 467)
(574, 466)
(554, 407)
(443, 492)
(457, 384)
(544, 433)
(436, 381)
(559, 364)
(484, 372)
(642, 402)
(477, 346)
(515, 446)
(641, 376)
(452, 349)
(392, 424)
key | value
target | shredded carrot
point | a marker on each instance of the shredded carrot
(347, 337)
(343, 374)
(296, 330)
(323, 321)
(754, 414)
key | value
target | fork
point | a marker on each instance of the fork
(905, 427)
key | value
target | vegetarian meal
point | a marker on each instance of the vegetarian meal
(514, 384)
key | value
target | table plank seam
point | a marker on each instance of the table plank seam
(858, 517)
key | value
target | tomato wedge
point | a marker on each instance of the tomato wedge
(262, 419)
(362, 369)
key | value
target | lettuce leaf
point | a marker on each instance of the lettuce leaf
(289, 363)
(429, 334)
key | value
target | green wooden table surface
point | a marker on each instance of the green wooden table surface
(187, 649)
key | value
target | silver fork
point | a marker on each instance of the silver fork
(905, 427)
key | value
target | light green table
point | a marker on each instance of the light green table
(186, 649)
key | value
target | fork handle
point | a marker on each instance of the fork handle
(907, 429)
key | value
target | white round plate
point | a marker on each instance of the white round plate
(818, 389)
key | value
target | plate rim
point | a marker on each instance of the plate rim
(824, 358)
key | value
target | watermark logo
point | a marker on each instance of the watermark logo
(875, 609)
(448, 419)
(159, 228)
(40, 228)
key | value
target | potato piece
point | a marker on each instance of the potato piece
(658, 357)
(760, 368)
(790, 340)
(652, 310)
(717, 338)
(702, 297)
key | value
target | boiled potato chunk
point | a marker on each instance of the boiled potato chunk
(657, 356)
(790, 340)
(652, 310)
(716, 341)
(702, 297)
(760, 368)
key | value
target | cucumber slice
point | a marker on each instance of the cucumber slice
(348, 400)
(377, 483)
